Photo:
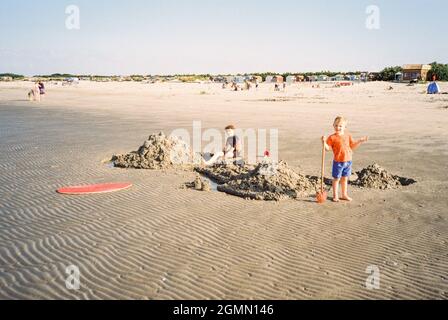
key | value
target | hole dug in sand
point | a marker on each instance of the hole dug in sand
(376, 177)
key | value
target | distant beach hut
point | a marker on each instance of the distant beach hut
(257, 79)
(274, 79)
(350, 77)
(415, 72)
(338, 77)
(399, 77)
(291, 79)
(363, 76)
(219, 79)
(278, 79)
(239, 79)
(374, 76)
(322, 77)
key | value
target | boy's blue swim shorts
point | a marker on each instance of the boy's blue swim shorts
(342, 169)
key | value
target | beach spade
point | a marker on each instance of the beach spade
(321, 196)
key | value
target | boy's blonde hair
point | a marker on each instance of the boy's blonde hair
(339, 120)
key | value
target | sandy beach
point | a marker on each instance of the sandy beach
(159, 241)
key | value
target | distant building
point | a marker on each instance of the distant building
(274, 79)
(291, 79)
(415, 72)
(338, 77)
(258, 79)
(239, 79)
(6, 79)
(363, 76)
(219, 79)
(322, 77)
(374, 76)
(350, 77)
(278, 79)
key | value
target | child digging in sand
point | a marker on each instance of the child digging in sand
(342, 144)
(232, 149)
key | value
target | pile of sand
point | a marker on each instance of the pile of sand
(267, 181)
(158, 152)
(224, 171)
(376, 177)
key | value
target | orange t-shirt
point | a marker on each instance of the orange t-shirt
(342, 147)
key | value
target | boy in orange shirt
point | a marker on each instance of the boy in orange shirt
(342, 144)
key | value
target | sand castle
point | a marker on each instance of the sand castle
(268, 180)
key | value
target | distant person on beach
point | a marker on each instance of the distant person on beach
(232, 149)
(342, 145)
(41, 88)
(433, 87)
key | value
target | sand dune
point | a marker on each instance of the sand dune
(158, 241)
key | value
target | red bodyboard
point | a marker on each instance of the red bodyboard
(95, 188)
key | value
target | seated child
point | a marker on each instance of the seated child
(232, 149)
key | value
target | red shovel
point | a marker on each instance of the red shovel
(322, 194)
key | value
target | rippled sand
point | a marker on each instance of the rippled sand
(158, 241)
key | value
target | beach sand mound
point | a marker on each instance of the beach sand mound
(158, 152)
(198, 184)
(375, 177)
(270, 182)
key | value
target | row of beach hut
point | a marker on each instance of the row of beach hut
(291, 78)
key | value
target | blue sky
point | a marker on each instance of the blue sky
(214, 36)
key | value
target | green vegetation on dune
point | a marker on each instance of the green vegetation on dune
(440, 70)
(388, 74)
(12, 75)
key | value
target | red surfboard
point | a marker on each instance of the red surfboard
(95, 188)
